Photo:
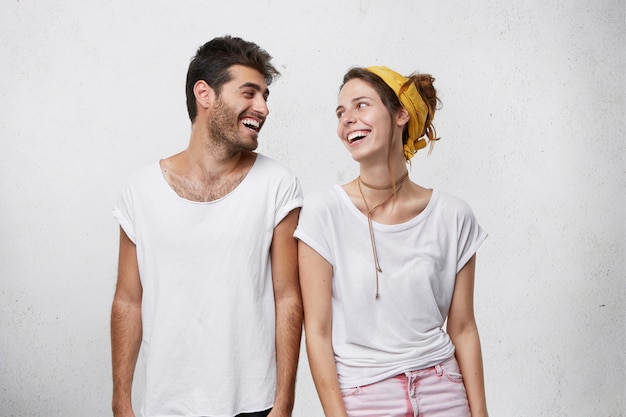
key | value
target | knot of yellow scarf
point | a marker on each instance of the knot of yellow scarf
(412, 102)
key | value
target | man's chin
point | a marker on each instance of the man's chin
(250, 147)
(252, 142)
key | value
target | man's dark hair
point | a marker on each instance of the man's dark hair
(213, 60)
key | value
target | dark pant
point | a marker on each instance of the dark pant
(258, 414)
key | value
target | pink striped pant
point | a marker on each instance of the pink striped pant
(430, 392)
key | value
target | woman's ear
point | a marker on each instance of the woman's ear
(402, 117)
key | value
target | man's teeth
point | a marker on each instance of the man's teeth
(354, 136)
(251, 123)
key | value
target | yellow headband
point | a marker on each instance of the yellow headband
(412, 102)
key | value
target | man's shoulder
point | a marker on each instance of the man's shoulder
(270, 166)
(263, 159)
(143, 175)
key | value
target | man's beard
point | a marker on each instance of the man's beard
(224, 130)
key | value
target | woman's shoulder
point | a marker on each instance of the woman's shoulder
(324, 199)
(324, 196)
(450, 203)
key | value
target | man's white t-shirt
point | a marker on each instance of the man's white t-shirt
(208, 305)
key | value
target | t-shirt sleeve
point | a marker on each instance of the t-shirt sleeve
(122, 212)
(470, 235)
(289, 197)
(313, 226)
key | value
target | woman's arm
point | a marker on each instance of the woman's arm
(316, 284)
(464, 334)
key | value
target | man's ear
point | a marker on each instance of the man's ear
(205, 95)
(402, 117)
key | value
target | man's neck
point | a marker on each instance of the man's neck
(206, 160)
(206, 173)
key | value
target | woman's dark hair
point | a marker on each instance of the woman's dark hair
(214, 59)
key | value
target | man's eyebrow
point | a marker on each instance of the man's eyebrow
(256, 87)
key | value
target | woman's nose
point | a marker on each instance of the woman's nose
(348, 118)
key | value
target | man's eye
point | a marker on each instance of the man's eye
(339, 114)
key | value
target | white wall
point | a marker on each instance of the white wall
(533, 138)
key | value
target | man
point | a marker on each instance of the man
(207, 283)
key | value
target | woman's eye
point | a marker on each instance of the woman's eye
(361, 105)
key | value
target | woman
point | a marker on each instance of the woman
(384, 262)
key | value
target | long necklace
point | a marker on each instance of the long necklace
(399, 183)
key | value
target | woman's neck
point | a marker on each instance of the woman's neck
(389, 186)
(382, 178)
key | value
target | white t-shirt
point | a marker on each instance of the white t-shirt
(402, 330)
(208, 305)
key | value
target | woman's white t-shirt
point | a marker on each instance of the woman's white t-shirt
(374, 339)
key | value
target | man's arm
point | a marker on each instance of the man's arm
(288, 301)
(126, 328)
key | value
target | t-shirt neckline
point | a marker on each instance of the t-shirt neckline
(420, 217)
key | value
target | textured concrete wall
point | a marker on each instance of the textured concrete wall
(533, 138)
